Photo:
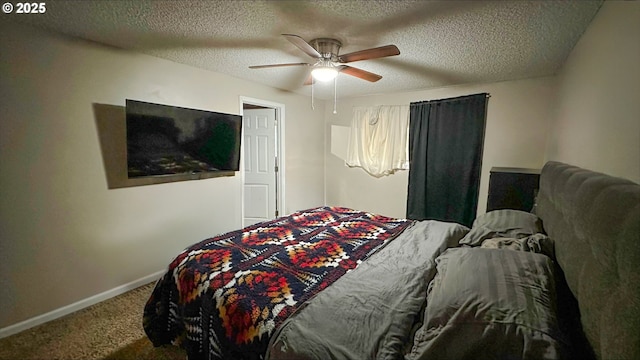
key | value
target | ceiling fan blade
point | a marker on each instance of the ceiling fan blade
(303, 45)
(309, 80)
(383, 51)
(277, 65)
(359, 73)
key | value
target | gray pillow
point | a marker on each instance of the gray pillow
(490, 304)
(537, 243)
(502, 223)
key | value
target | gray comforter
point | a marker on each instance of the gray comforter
(370, 312)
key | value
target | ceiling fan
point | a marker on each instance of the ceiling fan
(329, 62)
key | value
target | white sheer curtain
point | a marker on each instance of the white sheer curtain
(378, 139)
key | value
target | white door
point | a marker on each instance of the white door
(259, 165)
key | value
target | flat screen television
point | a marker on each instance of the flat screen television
(169, 140)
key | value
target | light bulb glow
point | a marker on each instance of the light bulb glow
(324, 74)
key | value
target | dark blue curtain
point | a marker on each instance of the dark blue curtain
(446, 139)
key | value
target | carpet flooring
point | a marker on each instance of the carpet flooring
(110, 330)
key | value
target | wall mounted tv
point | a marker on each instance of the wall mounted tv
(169, 140)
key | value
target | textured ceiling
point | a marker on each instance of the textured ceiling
(442, 43)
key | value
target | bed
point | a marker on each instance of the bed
(338, 283)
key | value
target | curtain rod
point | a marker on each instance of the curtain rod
(487, 95)
(364, 106)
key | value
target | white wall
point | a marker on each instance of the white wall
(64, 236)
(598, 115)
(518, 119)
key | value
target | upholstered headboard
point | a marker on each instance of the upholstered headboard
(594, 220)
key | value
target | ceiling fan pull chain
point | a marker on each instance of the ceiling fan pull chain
(335, 94)
(312, 105)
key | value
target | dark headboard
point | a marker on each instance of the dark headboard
(594, 220)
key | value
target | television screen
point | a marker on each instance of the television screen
(170, 140)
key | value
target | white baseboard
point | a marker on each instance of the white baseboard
(65, 310)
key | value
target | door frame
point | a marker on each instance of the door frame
(280, 147)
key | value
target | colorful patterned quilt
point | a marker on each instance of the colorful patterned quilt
(225, 296)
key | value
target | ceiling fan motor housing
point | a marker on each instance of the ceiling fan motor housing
(328, 48)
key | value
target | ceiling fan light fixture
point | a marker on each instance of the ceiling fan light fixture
(324, 73)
